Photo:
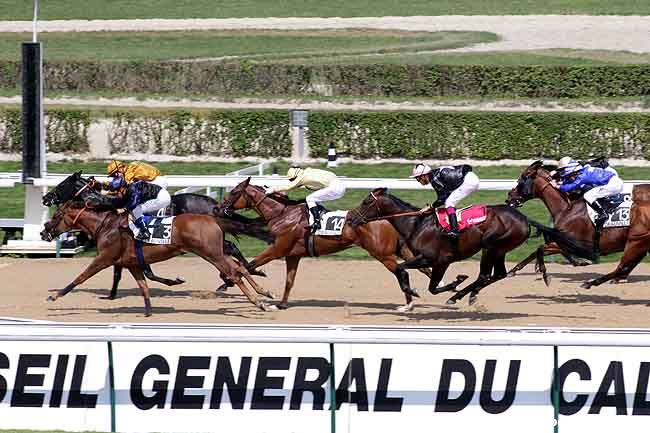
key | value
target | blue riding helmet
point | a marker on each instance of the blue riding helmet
(117, 182)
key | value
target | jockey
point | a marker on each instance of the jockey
(451, 183)
(324, 184)
(602, 183)
(146, 190)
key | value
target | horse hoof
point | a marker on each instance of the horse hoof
(406, 308)
(460, 278)
(283, 305)
(222, 288)
(511, 274)
(267, 307)
(51, 298)
(412, 292)
(147, 314)
(179, 281)
(258, 273)
(620, 281)
(547, 280)
(108, 298)
(472, 299)
(451, 301)
(586, 285)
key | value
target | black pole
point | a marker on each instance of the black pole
(32, 119)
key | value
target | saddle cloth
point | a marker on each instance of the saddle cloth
(467, 217)
(160, 229)
(618, 210)
(331, 223)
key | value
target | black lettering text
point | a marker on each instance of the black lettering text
(179, 399)
(487, 403)
(264, 382)
(302, 385)
(141, 401)
(225, 377)
(449, 367)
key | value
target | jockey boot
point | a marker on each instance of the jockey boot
(601, 218)
(143, 231)
(315, 211)
(453, 223)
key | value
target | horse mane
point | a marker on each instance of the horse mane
(402, 203)
(283, 199)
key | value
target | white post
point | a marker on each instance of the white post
(35, 213)
(35, 23)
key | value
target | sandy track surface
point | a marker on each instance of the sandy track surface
(327, 291)
(528, 32)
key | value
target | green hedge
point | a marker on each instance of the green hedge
(411, 135)
(479, 135)
(341, 80)
(66, 131)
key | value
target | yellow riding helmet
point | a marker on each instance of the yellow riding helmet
(293, 172)
(114, 166)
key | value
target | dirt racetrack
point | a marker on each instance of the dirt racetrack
(326, 292)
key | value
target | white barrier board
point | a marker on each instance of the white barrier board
(183, 387)
(604, 389)
(54, 386)
(420, 388)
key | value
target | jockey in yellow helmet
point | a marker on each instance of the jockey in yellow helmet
(146, 190)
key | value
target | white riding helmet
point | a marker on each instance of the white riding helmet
(420, 170)
(565, 161)
(571, 168)
(293, 172)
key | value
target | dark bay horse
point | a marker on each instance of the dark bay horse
(198, 234)
(287, 222)
(503, 230)
(82, 189)
(570, 217)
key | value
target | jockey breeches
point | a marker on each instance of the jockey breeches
(469, 185)
(614, 186)
(150, 207)
(334, 191)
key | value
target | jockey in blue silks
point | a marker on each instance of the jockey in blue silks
(600, 182)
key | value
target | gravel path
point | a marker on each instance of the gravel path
(289, 104)
(529, 32)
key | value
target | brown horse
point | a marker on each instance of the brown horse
(570, 217)
(287, 222)
(503, 230)
(199, 234)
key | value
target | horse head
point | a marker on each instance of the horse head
(66, 190)
(238, 198)
(525, 190)
(62, 221)
(373, 206)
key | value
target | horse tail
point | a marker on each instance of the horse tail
(236, 224)
(566, 242)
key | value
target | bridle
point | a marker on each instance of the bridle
(64, 208)
(365, 220)
(254, 204)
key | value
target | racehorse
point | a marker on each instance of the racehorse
(288, 223)
(503, 229)
(199, 234)
(570, 217)
(180, 204)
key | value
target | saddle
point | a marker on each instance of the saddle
(331, 222)
(467, 217)
(617, 208)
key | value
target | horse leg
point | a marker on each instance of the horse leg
(416, 262)
(499, 273)
(434, 283)
(117, 276)
(138, 274)
(230, 249)
(247, 275)
(148, 272)
(98, 264)
(541, 266)
(405, 253)
(292, 269)
(634, 252)
(521, 265)
(451, 287)
(485, 274)
(228, 267)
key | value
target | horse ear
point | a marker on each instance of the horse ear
(380, 191)
(247, 181)
(77, 173)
